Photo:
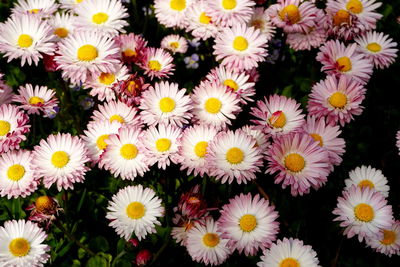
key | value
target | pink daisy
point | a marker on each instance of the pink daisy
(131, 47)
(130, 91)
(117, 111)
(262, 140)
(261, 20)
(39, 8)
(299, 162)
(230, 12)
(338, 99)
(6, 92)
(157, 63)
(250, 223)
(13, 127)
(398, 140)
(172, 13)
(200, 23)
(387, 241)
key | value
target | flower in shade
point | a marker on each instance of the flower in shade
(378, 47)
(39, 8)
(129, 91)
(398, 140)
(13, 127)
(157, 63)
(131, 47)
(172, 13)
(6, 92)
(22, 244)
(165, 103)
(27, 37)
(250, 223)
(134, 209)
(363, 211)
(278, 115)
(117, 111)
(18, 177)
(289, 253)
(240, 47)
(143, 257)
(338, 99)
(124, 155)
(44, 211)
(230, 12)
(174, 43)
(388, 240)
(193, 148)
(206, 245)
(60, 160)
(341, 60)
(200, 24)
(62, 25)
(261, 20)
(105, 16)
(36, 100)
(366, 176)
(299, 162)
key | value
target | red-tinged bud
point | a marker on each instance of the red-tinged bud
(143, 257)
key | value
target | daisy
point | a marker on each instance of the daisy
(260, 20)
(214, 105)
(278, 115)
(36, 100)
(96, 135)
(131, 46)
(193, 148)
(18, 177)
(165, 103)
(240, 47)
(124, 155)
(70, 5)
(86, 53)
(22, 244)
(200, 23)
(339, 99)
(299, 162)
(249, 223)
(161, 145)
(313, 38)
(388, 241)
(129, 91)
(174, 43)
(327, 137)
(287, 253)
(206, 245)
(6, 92)
(341, 60)
(261, 138)
(378, 47)
(117, 111)
(134, 209)
(363, 212)
(105, 16)
(62, 25)
(61, 159)
(157, 63)
(13, 127)
(172, 13)
(39, 8)
(230, 12)
(26, 36)
(366, 176)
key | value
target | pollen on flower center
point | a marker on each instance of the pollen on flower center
(317, 138)
(204, 18)
(341, 17)
(87, 52)
(163, 144)
(106, 78)
(374, 47)
(132, 86)
(234, 155)
(167, 104)
(364, 212)
(278, 119)
(100, 18)
(154, 65)
(36, 101)
(213, 105)
(211, 240)
(101, 143)
(178, 5)
(231, 84)
(229, 4)
(248, 223)
(135, 210)
(354, 6)
(34, 11)
(389, 237)
(338, 100)
(258, 24)
(25, 40)
(45, 204)
(294, 162)
(5, 127)
(15, 172)
(174, 45)
(129, 53)
(128, 151)
(200, 149)
(344, 64)
(19, 247)
(291, 12)
(289, 262)
(240, 43)
(366, 183)
(117, 118)
(61, 32)
(59, 159)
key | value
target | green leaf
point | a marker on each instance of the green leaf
(97, 261)
(99, 243)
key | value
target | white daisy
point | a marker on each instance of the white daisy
(174, 43)
(62, 25)
(261, 20)
(117, 111)
(172, 13)
(366, 176)
(70, 4)
(200, 23)
(39, 8)
(230, 12)
(388, 241)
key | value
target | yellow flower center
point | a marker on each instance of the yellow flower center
(291, 12)
(178, 5)
(341, 17)
(366, 183)
(364, 212)
(200, 149)
(61, 32)
(132, 86)
(234, 155)
(101, 143)
(354, 6)
(167, 104)
(240, 43)
(16, 172)
(317, 138)
(34, 11)
(204, 18)
(128, 151)
(231, 84)
(5, 127)
(344, 64)
(35, 100)
(229, 4)
(44, 204)
(294, 162)
(154, 65)
(248, 223)
(135, 210)
(211, 240)
(338, 100)
(106, 78)
(78, 1)
(129, 53)
(99, 18)
(117, 118)
(389, 237)
(213, 105)
(174, 45)
(289, 262)
(278, 119)
(87, 52)
(19, 247)
(163, 144)
(59, 159)
(374, 47)
(25, 40)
